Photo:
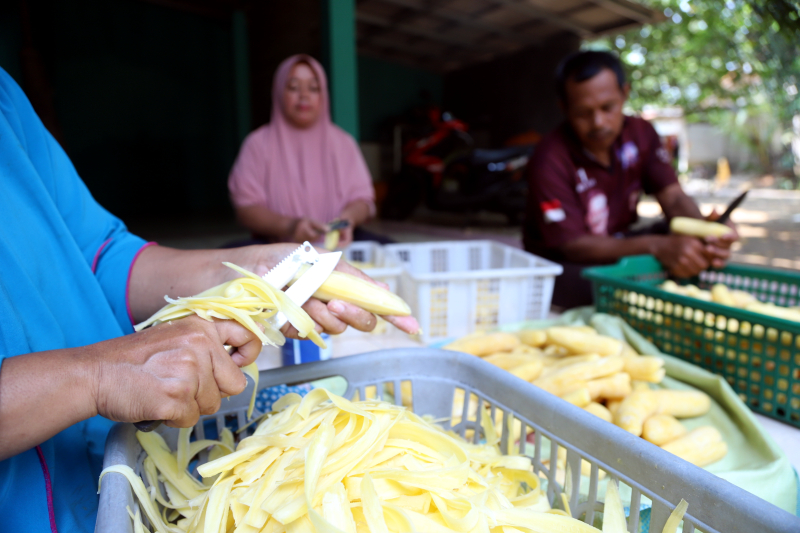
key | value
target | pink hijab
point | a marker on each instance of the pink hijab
(311, 173)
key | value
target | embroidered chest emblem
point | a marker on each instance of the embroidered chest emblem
(584, 182)
(628, 155)
(597, 213)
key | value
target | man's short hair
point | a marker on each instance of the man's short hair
(582, 66)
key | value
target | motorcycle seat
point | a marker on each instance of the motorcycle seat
(496, 155)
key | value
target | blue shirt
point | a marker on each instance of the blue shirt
(64, 265)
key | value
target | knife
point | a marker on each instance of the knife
(338, 224)
(299, 292)
(281, 274)
(723, 218)
(311, 280)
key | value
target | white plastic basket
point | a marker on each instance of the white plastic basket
(457, 287)
(387, 268)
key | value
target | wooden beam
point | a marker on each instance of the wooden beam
(622, 27)
(522, 6)
(397, 56)
(631, 10)
(382, 42)
(470, 22)
(421, 32)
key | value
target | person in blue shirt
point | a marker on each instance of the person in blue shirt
(73, 281)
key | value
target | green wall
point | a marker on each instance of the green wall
(339, 46)
(145, 98)
(388, 89)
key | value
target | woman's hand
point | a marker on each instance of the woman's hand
(161, 270)
(306, 229)
(356, 213)
(335, 316)
(346, 234)
(174, 372)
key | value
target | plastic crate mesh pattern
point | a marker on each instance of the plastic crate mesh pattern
(758, 356)
(572, 451)
(455, 288)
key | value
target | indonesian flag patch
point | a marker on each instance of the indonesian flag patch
(552, 211)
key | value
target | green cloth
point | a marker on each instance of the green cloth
(754, 462)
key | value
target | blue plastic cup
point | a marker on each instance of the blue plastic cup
(297, 352)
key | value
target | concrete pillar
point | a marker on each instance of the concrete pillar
(340, 59)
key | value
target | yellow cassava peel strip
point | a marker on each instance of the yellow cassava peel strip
(675, 517)
(286, 401)
(141, 494)
(138, 526)
(183, 448)
(217, 507)
(197, 446)
(371, 506)
(468, 522)
(227, 462)
(489, 430)
(336, 513)
(297, 317)
(317, 396)
(252, 371)
(397, 518)
(315, 456)
(241, 300)
(167, 464)
(613, 512)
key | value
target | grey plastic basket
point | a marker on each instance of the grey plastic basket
(715, 505)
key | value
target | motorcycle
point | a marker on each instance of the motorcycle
(441, 168)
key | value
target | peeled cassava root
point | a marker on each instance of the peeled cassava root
(360, 292)
(602, 375)
(696, 227)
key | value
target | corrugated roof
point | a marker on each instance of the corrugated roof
(444, 35)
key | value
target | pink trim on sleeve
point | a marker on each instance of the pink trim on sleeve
(128, 283)
(48, 487)
(97, 255)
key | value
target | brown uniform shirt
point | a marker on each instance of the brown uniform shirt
(570, 194)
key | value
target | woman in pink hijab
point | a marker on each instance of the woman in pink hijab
(300, 172)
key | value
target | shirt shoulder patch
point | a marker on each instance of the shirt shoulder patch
(663, 155)
(552, 211)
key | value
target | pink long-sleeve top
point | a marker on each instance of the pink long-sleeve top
(313, 172)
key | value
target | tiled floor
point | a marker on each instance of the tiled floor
(768, 223)
(214, 231)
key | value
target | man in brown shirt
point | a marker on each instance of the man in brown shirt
(586, 177)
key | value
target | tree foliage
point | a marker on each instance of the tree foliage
(735, 63)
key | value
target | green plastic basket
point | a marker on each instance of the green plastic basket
(757, 354)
